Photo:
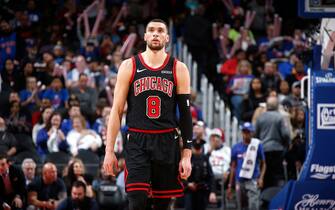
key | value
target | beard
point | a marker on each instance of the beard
(155, 47)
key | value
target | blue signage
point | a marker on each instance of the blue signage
(320, 161)
(315, 188)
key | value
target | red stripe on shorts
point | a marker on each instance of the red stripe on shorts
(151, 131)
(168, 196)
(167, 191)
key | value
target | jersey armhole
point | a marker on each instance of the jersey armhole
(174, 70)
(133, 70)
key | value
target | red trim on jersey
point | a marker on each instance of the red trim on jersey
(134, 70)
(138, 184)
(168, 196)
(125, 172)
(151, 131)
(174, 70)
(154, 69)
(167, 191)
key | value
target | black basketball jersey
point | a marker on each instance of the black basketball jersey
(152, 95)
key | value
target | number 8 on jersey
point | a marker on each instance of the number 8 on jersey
(153, 107)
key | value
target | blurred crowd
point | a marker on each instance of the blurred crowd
(58, 65)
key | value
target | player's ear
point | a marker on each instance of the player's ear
(145, 36)
(167, 38)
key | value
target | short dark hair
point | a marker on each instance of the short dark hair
(83, 74)
(78, 184)
(157, 20)
(3, 156)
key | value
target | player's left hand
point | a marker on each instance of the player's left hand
(185, 167)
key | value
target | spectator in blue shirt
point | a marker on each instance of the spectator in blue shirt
(67, 123)
(7, 42)
(51, 138)
(247, 184)
(30, 97)
(57, 94)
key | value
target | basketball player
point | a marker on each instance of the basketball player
(153, 84)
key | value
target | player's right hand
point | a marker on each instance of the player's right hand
(110, 163)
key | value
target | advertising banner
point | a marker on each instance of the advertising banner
(315, 188)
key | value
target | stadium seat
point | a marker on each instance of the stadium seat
(61, 160)
(90, 160)
(109, 196)
(18, 159)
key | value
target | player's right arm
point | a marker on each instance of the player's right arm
(114, 122)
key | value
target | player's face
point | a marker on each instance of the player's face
(156, 36)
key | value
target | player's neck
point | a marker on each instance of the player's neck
(154, 58)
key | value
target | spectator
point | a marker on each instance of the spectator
(270, 34)
(51, 138)
(47, 191)
(284, 91)
(28, 70)
(81, 138)
(73, 111)
(98, 74)
(7, 96)
(8, 42)
(285, 68)
(29, 169)
(229, 68)
(45, 68)
(298, 122)
(219, 157)
(30, 97)
(86, 95)
(72, 78)
(298, 72)
(12, 185)
(58, 51)
(294, 97)
(44, 118)
(239, 87)
(7, 140)
(76, 172)
(273, 131)
(247, 169)
(295, 156)
(10, 75)
(255, 97)
(78, 199)
(115, 62)
(19, 121)
(199, 134)
(270, 77)
(201, 184)
(57, 94)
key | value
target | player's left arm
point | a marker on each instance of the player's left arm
(185, 120)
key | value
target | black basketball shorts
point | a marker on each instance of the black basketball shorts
(152, 161)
